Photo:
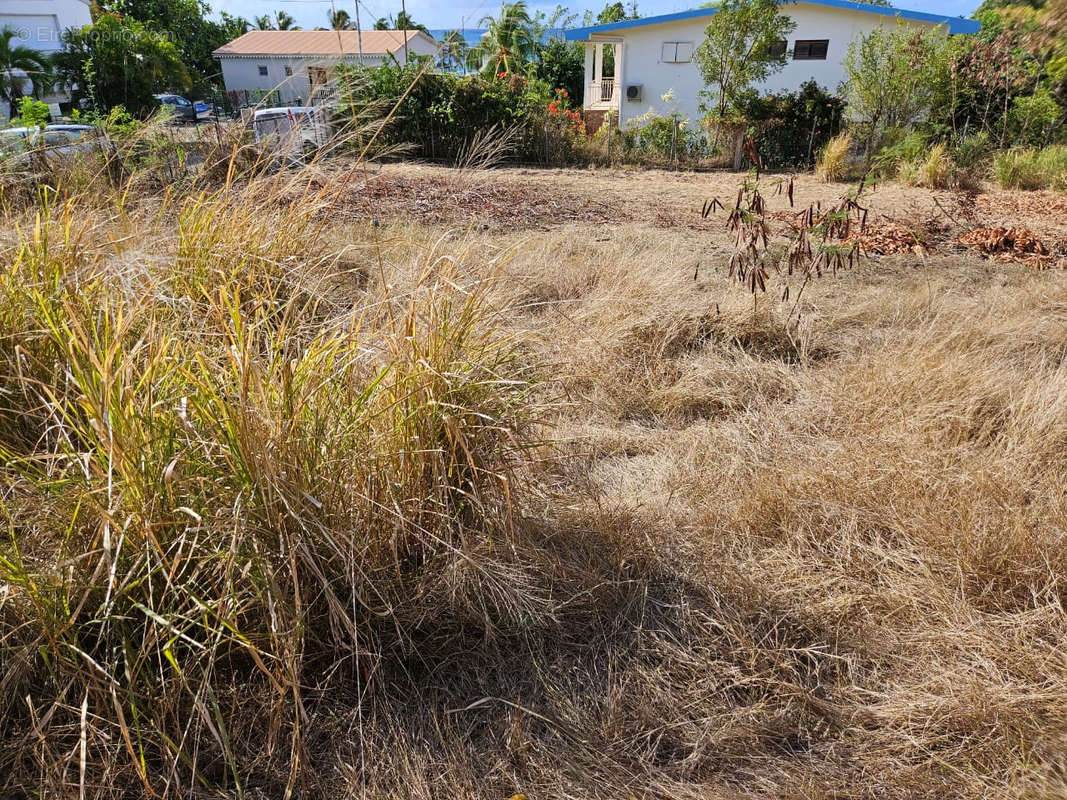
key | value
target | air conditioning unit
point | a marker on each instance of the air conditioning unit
(633, 92)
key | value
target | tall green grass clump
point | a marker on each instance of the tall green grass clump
(934, 169)
(914, 160)
(832, 165)
(1029, 168)
(222, 493)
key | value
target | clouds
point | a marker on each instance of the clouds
(312, 13)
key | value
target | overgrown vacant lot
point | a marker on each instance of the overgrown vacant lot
(417, 483)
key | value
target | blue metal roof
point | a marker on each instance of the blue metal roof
(954, 24)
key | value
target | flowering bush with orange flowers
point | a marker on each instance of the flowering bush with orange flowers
(560, 107)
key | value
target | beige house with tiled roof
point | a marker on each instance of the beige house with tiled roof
(296, 64)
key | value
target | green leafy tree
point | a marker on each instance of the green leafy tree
(562, 66)
(738, 48)
(20, 65)
(985, 78)
(119, 61)
(509, 44)
(894, 77)
(613, 12)
(187, 23)
(551, 26)
(1006, 75)
(558, 63)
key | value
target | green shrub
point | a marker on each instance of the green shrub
(1028, 168)
(653, 139)
(974, 151)
(901, 148)
(790, 128)
(439, 115)
(32, 113)
(913, 159)
(1032, 118)
(895, 77)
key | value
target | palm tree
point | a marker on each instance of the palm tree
(402, 22)
(280, 22)
(509, 43)
(19, 64)
(339, 20)
(234, 26)
(454, 50)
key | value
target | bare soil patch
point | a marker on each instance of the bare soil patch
(903, 220)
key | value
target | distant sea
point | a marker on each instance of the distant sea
(471, 35)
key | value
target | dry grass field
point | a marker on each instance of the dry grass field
(416, 483)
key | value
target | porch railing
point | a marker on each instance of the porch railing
(601, 94)
(607, 89)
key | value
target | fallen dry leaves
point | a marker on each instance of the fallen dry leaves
(1013, 245)
(1001, 204)
(886, 239)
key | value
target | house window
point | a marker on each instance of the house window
(776, 50)
(288, 71)
(811, 49)
(263, 70)
(676, 52)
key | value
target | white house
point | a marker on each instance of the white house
(39, 24)
(296, 64)
(654, 56)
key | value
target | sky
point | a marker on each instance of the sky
(467, 13)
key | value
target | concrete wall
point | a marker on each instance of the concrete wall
(40, 23)
(642, 49)
(241, 73)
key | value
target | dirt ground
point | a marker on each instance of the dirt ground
(531, 197)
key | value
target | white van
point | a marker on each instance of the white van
(293, 130)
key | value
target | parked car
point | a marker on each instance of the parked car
(183, 110)
(14, 141)
(53, 141)
(68, 137)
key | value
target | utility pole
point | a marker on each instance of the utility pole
(359, 35)
(463, 37)
(404, 11)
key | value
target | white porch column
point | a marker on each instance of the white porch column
(618, 50)
(598, 63)
(587, 92)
